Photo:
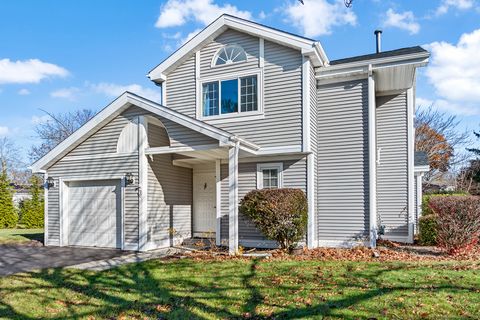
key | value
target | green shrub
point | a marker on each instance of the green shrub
(458, 222)
(8, 213)
(428, 230)
(32, 210)
(280, 214)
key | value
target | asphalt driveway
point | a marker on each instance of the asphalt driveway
(18, 258)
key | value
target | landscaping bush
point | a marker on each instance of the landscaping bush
(8, 213)
(280, 214)
(428, 230)
(458, 222)
(32, 210)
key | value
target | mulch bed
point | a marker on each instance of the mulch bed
(385, 251)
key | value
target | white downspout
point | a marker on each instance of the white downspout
(372, 163)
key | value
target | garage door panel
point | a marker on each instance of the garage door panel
(94, 213)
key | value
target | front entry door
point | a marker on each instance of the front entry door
(204, 213)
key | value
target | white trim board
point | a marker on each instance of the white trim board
(309, 47)
(117, 107)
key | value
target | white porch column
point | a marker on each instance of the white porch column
(218, 202)
(233, 199)
(372, 158)
(142, 183)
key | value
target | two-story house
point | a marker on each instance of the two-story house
(244, 106)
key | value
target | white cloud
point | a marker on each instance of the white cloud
(405, 20)
(28, 71)
(456, 4)
(176, 13)
(4, 131)
(65, 93)
(454, 72)
(318, 17)
(23, 92)
(114, 90)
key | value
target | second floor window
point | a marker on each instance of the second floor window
(230, 96)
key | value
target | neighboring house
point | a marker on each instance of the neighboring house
(21, 193)
(421, 167)
(244, 106)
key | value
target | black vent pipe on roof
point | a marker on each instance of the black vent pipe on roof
(378, 35)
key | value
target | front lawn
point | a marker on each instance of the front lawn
(241, 288)
(20, 236)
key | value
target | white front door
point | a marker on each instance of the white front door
(204, 213)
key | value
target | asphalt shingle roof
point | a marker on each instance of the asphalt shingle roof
(383, 54)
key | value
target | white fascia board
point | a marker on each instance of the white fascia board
(103, 116)
(119, 105)
(159, 73)
(362, 67)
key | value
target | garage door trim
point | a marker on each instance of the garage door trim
(63, 193)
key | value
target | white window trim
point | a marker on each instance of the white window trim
(215, 56)
(231, 76)
(266, 166)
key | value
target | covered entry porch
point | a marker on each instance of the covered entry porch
(183, 191)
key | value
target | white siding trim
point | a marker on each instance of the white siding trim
(411, 165)
(143, 183)
(311, 227)
(261, 56)
(265, 165)
(45, 209)
(62, 200)
(164, 93)
(372, 162)
(218, 202)
(233, 199)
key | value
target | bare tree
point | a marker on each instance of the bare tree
(57, 128)
(11, 162)
(438, 134)
(348, 3)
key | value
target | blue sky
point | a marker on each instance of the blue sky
(66, 55)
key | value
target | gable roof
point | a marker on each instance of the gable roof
(119, 105)
(380, 55)
(309, 47)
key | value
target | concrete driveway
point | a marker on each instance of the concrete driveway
(18, 258)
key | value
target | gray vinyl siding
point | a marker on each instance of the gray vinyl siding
(182, 136)
(392, 178)
(294, 176)
(180, 88)
(249, 43)
(342, 161)
(169, 201)
(70, 166)
(282, 89)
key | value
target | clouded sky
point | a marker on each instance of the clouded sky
(61, 55)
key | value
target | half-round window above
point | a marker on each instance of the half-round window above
(229, 54)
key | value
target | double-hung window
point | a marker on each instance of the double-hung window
(223, 97)
(269, 175)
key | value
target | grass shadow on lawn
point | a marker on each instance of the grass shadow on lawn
(21, 236)
(187, 289)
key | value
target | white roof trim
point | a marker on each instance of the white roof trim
(308, 47)
(118, 106)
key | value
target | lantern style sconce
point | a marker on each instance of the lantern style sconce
(129, 178)
(50, 183)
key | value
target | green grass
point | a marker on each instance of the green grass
(188, 289)
(19, 236)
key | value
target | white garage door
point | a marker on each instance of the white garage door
(94, 217)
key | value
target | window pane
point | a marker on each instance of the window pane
(210, 99)
(229, 96)
(249, 99)
(270, 178)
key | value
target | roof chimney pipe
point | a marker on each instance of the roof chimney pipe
(378, 35)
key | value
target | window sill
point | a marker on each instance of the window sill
(232, 118)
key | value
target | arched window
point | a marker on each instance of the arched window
(229, 54)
